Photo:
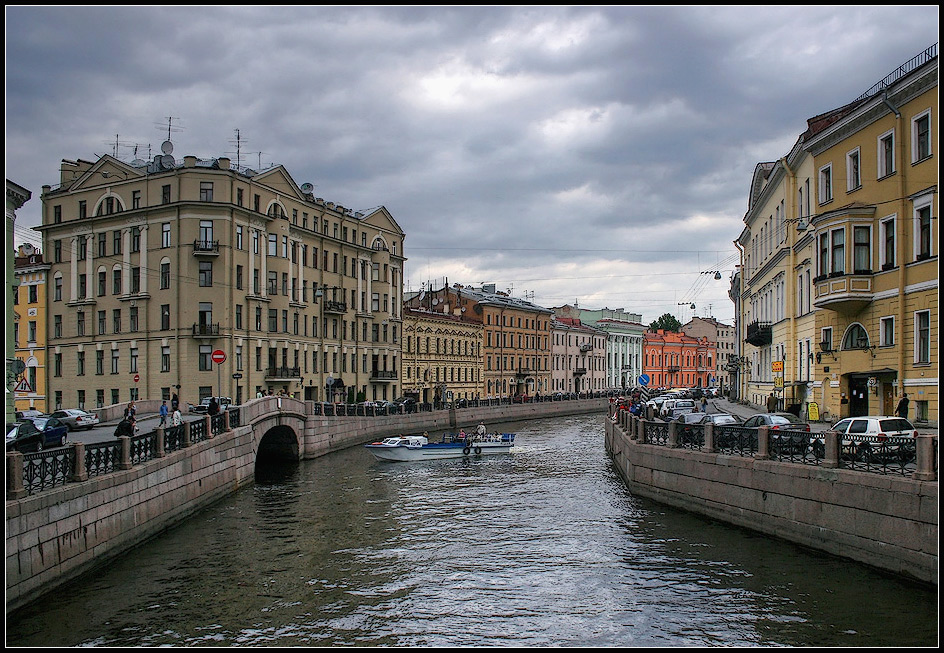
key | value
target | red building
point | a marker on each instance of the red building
(675, 360)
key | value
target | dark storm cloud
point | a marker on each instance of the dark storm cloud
(578, 152)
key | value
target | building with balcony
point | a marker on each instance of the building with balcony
(675, 360)
(157, 265)
(875, 239)
(442, 354)
(624, 332)
(838, 284)
(516, 332)
(578, 357)
(30, 328)
(17, 196)
(723, 335)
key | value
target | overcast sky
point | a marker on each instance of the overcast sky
(588, 154)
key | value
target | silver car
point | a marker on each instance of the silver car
(76, 419)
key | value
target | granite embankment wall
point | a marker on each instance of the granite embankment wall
(885, 521)
(62, 533)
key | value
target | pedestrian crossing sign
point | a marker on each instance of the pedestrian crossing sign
(23, 386)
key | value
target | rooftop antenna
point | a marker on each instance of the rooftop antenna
(239, 141)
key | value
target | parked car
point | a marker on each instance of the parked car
(684, 428)
(719, 419)
(406, 404)
(24, 437)
(681, 407)
(873, 438)
(786, 443)
(54, 431)
(777, 421)
(28, 414)
(666, 408)
(75, 418)
(204, 406)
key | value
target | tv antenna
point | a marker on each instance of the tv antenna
(238, 142)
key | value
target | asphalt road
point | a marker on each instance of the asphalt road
(105, 431)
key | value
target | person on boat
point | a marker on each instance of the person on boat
(462, 434)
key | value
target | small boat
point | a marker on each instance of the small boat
(452, 445)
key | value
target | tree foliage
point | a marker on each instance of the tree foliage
(667, 323)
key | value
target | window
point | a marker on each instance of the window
(102, 323)
(116, 320)
(135, 280)
(861, 250)
(165, 359)
(57, 251)
(206, 191)
(239, 237)
(165, 317)
(165, 194)
(826, 339)
(116, 281)
(273, 245)
(922, 337)
(886, 154)
(826, 184)
(165, 275)
(239, 197)
(921, 137)
(114, 361)
(204, 361)
(206, 234)
(116, 242)
(165, 234)
(837, 251)
(206, 274)
(102, 282)
(887, 331)
(856, 338)
(100, 362)
(57, 326)
(102, 242)
(133, 357)
(83, 209)
(57, 214)
(239, 316)
(57, 288)
(239, 277)
(853, 171)
(135, 239)
(135, 199)
(133, 311)
(888, 243)
(923, 227)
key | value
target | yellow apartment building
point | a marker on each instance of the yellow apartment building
(29, 328)
(876, 239)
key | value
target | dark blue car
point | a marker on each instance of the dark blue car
(36, 435)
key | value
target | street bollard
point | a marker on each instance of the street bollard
(79, 472)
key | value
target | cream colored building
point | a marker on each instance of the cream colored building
(876, 234)
(160, 268)
(838, 283)
(578, 357)
(442, 355)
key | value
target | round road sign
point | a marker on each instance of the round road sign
(218, 356)
(136, 378)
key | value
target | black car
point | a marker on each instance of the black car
(406, 404)
(24, 436)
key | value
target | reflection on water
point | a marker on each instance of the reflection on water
(542, 547)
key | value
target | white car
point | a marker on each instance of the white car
(681, 407)
(881, 437)
(76, 419)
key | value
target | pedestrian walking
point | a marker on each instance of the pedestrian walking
(174, 402)
(214, 407)
(771, 403)
(132, 409)
(163, 412)
(125, 427)
(176, 419)
(902, 408)
(704, 404)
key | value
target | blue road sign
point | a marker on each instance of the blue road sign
(643, 380)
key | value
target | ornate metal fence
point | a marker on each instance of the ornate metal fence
(47, 468)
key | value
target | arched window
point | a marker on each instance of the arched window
(856, 337)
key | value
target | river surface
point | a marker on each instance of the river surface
(541, 547)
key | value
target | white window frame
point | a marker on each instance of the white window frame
(919, 203)
(857, 228)
(853, 170)
(826, 191)
(914, 136)
(886, 328)
(888, 225)
(922, 349)
(882, 167)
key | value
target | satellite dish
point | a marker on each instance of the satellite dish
(167, 147)
(435, 301)
(138, 163)
(167, 161)
(307, 188)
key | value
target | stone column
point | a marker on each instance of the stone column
(159, 442)
(710, 438)
(831, 458)
(79, 473)
(15, 488)
(924, 453)
(125, 461)
(763, 443)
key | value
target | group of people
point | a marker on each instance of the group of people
(128, 424)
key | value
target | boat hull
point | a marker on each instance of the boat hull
(438, 451)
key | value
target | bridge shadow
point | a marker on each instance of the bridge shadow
(277, 457)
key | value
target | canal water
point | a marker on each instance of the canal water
(541, 547)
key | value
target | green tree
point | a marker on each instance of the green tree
(667, 323)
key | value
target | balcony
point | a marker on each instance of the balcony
(523, 372)
(586, 347)
(204, 330)
(282, 373)
(759, 334)
(672, 369)
(580, 371)
(206, 248)
(332, 306)
(383, 375)
(848, 293)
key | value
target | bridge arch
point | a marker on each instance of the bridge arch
(279, 443)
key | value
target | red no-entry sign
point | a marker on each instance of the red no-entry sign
(218, 356)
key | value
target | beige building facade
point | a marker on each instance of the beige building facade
(578, 357)
(442, 355)
(160, 270)
(30, 328)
